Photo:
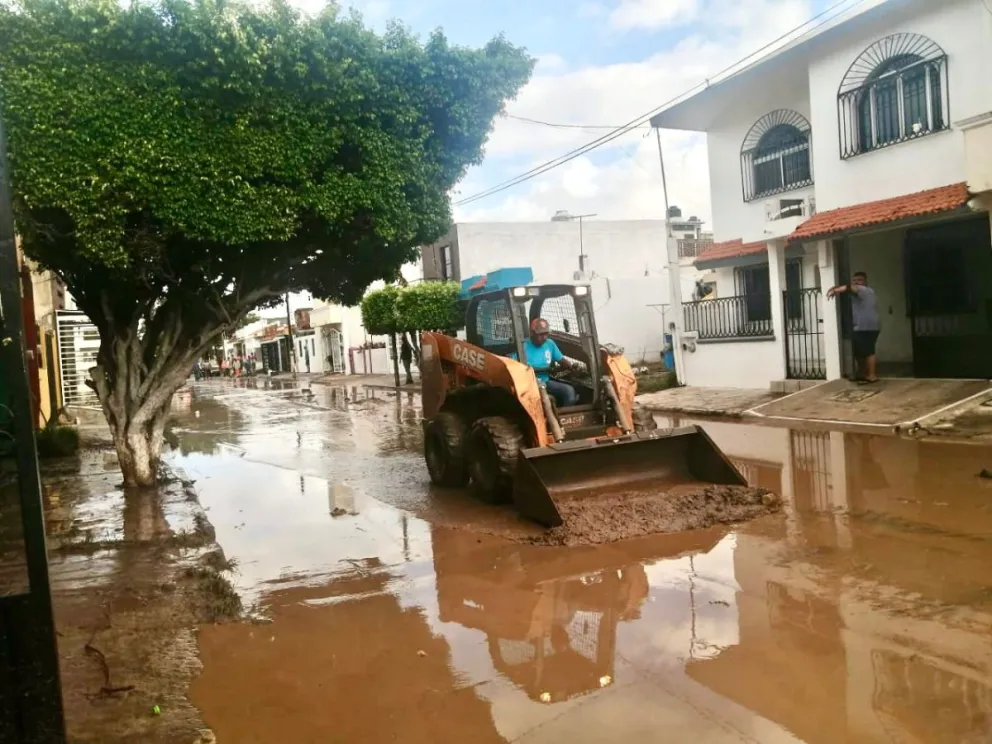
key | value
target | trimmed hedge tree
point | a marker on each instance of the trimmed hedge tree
(426, 306)
(179, 164)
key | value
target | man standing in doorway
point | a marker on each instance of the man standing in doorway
(867, 324)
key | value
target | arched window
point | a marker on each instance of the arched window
(896, 90)
(775, 155)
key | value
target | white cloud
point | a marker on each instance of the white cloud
(628, 187)
(375, 13)
(621, 180)
(550, 63)
(591, 10)
(653, 13)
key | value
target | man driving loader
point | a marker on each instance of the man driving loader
(541, 352)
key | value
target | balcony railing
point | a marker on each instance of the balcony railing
(692, 247)
(728, 318)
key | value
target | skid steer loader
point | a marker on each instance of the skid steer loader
(489, 423)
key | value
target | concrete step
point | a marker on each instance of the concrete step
(793, 386)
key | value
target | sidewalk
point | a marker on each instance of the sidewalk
(133, 576)
(384, 382)
(698, 401)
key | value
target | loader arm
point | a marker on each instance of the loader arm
(620, 374)
(452, 371)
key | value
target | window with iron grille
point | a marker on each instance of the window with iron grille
(775, 155)
(494, 325)
(895, 91)
(446, 263)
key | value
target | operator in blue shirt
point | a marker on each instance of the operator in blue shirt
(541, 352)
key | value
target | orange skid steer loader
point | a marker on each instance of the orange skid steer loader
(489, 422)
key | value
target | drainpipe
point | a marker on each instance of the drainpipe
(674, 276)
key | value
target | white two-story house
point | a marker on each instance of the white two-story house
(864, 146)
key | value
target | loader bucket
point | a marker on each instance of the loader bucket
(592, 467)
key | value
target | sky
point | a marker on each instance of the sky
(601, 63)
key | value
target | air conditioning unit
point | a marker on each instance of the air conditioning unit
(780, 209)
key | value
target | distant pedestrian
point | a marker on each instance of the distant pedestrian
(406, 356)
(197, 371)
(867, 324)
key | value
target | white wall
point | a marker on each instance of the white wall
(624, 316)
(373, 362)
(733, 364)
(614, 249)
(963, 28)
(626, 261)
(780, 88)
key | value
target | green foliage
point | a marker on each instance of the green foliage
(429, 306)
(248, 319)
(652, 383)
(180, 163)
(56, 440)
(379, 311)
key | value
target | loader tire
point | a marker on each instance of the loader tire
(643, 419)
(494, 444)
(444, 450)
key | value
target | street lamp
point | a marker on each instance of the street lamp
(563, 216)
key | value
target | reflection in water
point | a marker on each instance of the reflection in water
(13, 555)
(553, 636)
(365, 668)
(860, 615)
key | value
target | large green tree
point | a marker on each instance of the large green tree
(181, 163)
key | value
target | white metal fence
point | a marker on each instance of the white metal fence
(79, 342)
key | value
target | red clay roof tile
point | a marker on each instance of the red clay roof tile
(729, 249)
(933, 201)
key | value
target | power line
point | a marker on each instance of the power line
(640, 120)
(620, 131)
(555, 125)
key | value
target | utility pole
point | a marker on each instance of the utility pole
(289, 334)
(674, 274)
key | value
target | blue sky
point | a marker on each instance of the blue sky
(601, 62)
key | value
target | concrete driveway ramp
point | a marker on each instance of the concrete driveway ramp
(886, 403)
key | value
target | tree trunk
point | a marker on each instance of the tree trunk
(396, 360)
(136, 400)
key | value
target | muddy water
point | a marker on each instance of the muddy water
(861, 613)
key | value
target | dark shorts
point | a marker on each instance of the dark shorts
(863, 343)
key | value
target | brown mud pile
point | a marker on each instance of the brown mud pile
(597, 519)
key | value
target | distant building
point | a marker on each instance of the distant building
(625, 261)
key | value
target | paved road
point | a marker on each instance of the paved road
(861, 614)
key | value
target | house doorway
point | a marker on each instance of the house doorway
(933, 285)
(948, 273)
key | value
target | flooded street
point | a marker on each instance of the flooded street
(394, 612)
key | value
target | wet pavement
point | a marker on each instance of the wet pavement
(132, 576)
(861, 613)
